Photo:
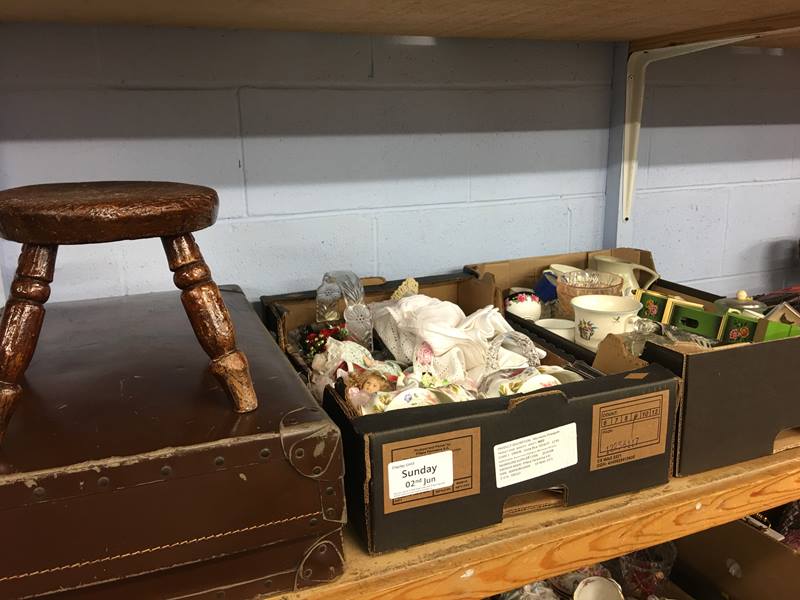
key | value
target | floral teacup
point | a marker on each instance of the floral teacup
(596, 316)
(524, 304)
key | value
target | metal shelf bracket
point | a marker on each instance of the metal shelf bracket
(634, 102)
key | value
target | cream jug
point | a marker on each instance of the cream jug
(626, 270)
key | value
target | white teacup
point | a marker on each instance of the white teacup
(563, 327)
(597, 316)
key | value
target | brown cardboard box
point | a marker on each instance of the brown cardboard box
(738, 401)
(125, 460)
(739, 562)
(526, 272)
(591, 449)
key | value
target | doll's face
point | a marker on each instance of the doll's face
(372, 384)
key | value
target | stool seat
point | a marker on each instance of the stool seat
(42, 217)
(104, 211)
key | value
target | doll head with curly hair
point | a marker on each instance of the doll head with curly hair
(369, 382)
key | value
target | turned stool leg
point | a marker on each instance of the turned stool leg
(210, 319)
(22, 322)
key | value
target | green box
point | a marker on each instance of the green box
(775, 330)
(737, 328)
(653, 305)
(696, 320)
(781, 322)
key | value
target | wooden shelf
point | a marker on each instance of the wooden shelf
(578, 20)
(528, 547)
(540, 544)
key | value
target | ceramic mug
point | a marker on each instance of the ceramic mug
(597, 316)
(626, 270)
(563, 327)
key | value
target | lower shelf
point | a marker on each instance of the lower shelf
(532, 546)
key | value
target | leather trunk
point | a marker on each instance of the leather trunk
(125, 462)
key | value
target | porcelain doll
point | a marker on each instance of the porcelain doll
(369, 382)
(363, 388)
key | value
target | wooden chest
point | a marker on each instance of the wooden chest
(125, 461)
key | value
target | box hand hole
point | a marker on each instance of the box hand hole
(786, 438)
(535, 500)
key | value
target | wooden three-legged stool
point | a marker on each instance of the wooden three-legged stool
(42, 217)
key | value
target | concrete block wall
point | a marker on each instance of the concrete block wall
(387, 156)
(718, 189)
(393, 156)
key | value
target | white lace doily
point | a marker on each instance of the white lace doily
(436, 337)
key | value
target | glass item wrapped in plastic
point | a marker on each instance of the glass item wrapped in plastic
(328, 296)
(357, 317)
(646, 572)
(512, 372)
(645, 330)
(350, 284)
(525, 345)
(358, 320)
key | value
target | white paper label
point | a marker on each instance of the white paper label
(420, 474)
(535, 455)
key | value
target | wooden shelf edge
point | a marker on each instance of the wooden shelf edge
(643, 21)
(785, 27)
(538, 545)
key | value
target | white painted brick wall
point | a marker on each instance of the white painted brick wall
(718, 191)
(77, 135)
(387, 156)
(398, 156)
